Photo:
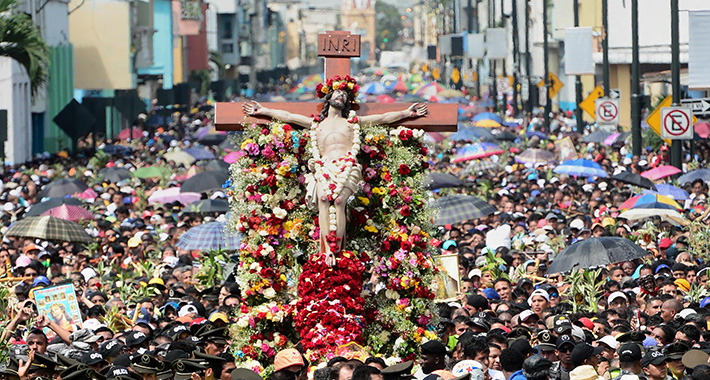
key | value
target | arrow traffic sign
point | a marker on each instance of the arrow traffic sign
(615, 93)
(588, 104)
(700, 107)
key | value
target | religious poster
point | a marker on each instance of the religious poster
(447, 281)
(565, 149)
(59, 303)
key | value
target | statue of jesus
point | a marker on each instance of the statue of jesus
(334, 145)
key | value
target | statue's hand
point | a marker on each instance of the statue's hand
(418, 109)
(251, 108)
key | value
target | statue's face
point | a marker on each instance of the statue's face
(338, 99)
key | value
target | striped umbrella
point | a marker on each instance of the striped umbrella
(476, 151)
(581, 168)
(459, 208)
(482, 166)
(650, 200)
(661, 172)
(69, 212)
(49, 228)
(535, 156)
(670, 191)
(209, 236)
(703, 174)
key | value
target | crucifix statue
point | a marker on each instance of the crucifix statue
(335, 138)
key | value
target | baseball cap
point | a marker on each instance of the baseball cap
(582, 352)
(653, 357)
(527, 314)
(287, 358)
(616, 295)
(609, 341)
(92, 357)
(630, 352)
(433, 347)
(538, 292)
(110, 348)
(665, 243)
(564, 340)
(31, 247)
(135, 338)
(705, 301)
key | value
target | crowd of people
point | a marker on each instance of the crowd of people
(512, 319)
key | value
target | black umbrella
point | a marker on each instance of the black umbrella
(207, 205)
(39, 208)
(114, 174)
(212, 139)
(441, 180)
(505, 136)
(459, 208)
(61, 188)
(635, 179)
(595, 252)
(205, 181)
(217, 165)
(596, 137)
(228, 144)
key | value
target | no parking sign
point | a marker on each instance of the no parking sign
(677, 123)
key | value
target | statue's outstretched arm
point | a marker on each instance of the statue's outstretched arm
(253, 108)
(415, 110)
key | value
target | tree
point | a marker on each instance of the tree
(388, 23)
(22, 41)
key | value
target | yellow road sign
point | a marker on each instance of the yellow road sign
(555, 85)
(435, 73)
(588, 104)
(455, 75)
(654, 118)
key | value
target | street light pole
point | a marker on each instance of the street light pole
(546, 58)
(676, 145)
(578, 79)
(529, 103)
(516, 58)
(635, 81)
(491, 62)
(605, 46)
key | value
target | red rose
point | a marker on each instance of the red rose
(343, 86)
(388, 177)
(404, 169)
(356, 88)
(404, 210)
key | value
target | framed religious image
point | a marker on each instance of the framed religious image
(60, 302)
(446, 283)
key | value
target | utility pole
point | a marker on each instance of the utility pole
(546, 55)
(605, 46)
(676, 145)
(529, 103)
(516, 58)
(578, 79)
(635, 81)
(493, 92)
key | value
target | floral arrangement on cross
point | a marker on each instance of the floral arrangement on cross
(377, 294)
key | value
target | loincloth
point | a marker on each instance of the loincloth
(330, 168)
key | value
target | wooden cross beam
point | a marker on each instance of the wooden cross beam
(338, 47)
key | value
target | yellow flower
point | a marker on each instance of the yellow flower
(350, 86)
(378, 191)
(325, 89)
(245, 142)
(336, 85)
(364, 200)
(372, 229)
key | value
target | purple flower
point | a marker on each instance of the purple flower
(252, 149)
(268, 152)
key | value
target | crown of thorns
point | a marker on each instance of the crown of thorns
(347, 84)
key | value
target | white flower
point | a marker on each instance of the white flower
(269, 293)
(280, 213)
(391, 294)
(243, 321)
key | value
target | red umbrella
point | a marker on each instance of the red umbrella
(401, 87)
(134, 133)
(385, 99)
(69, 212)
(660, 172)
(702, 129)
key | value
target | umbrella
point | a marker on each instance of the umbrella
(228, 144)
(209, 236)
(87, 194)
(451, 93)
(671, 191)
(130, 133)
(582, 168)
(702, 174)
(661, 172)
(535, 156)
(487, 116)
(116, 149)
(472, 133)
(171, 195)
(634, 179)
(217, 165)
(460, 208)
(69, 212)
(702, 129)
(180, 157)
(650, 200)
(641, 213)
(148, 172)
(61, 188)
(207, 205)
(487, 123)
(205, 181)
(212, 139)
(38, 208)
(594, 252)
(49, 228)
(616, 138)
(475, 151)
(385, 99)
(200, 153)
(374, 88)
(505, 136)
(537, 134)
(400, 87)
(232, 157)
(482, 166)
(435, 181)
(114, 174)
(596, 137)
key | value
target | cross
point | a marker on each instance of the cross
(338, 47)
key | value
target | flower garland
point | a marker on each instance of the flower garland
(347, 84)
(334, 185)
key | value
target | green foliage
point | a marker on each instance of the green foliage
(493, 265)
(388, 25)
(202, 76)
(22, 41)
(585, 290)
(212, 272)
(99, 160)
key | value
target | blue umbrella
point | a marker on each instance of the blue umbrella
(200, 154)
(539, 135)
(703, 174)
(374, 88)
(670, 191)
(472, 133)
(582, 168)
(487, 116)
(209, 236)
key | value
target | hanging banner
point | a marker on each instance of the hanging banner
(496, 43)
(476, 45)
(578, 51)
(698, 50)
